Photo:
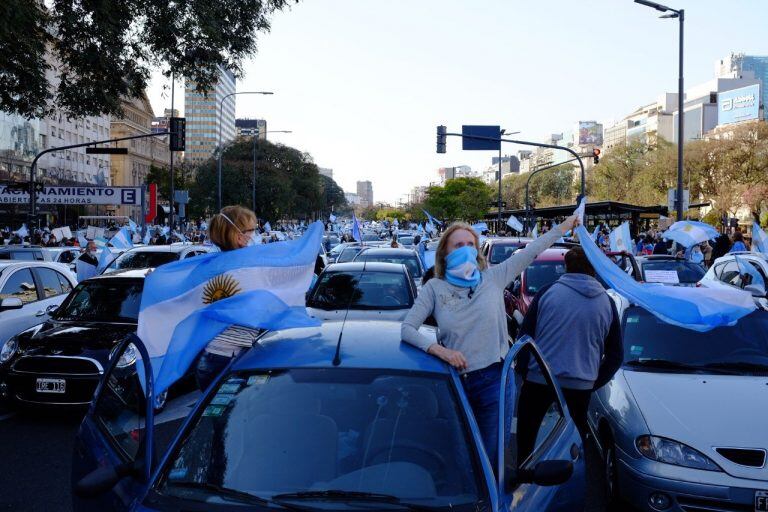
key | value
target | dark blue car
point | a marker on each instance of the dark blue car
(339, 417)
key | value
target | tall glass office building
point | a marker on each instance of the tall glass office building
(739, 65)
(204, 118)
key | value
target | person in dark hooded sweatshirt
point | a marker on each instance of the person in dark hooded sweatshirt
(577, 328)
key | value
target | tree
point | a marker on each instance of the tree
(459, 198)
(104, 51)
(333, 194)
(162, 178)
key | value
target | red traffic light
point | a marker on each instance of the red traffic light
(596, 155)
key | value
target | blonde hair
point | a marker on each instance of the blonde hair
(442, 248)
(224, 226)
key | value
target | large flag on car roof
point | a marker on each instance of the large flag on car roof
(187, 303)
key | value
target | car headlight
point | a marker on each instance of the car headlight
(9, 348)
(668, 451)
(127, 358)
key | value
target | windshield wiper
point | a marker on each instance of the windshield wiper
(232, 494)
(666, 364)
(739, 365)
(340, 495)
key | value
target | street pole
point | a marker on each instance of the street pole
(680, 123)
(498, 203)
(255, 137)
(173, 184)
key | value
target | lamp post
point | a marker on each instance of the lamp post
(220, 149)
(255, 138)
(680, 15)
(502, 133)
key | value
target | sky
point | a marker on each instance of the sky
(363, 84)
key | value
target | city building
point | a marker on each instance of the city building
(20, 140)
(206, 116)
(365, 192)
(247, 127)
(418, 194)
(459, 171)
(326, 172)
(162, 124)
(739, 65)
(352, 199)
(510, 164)
(131, 170)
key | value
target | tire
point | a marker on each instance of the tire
(611, 475)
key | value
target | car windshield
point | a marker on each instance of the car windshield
(103, 300)
(405, 240)
(500, 252)
(409, 260)
(143, 259)
(361, 290)
(348, 254)
(646, 338)
(369, 237)
(343, 430)
(687, 271)
(336, 250)
(541, 273)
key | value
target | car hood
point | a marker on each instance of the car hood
(73, 338)
(705, 412)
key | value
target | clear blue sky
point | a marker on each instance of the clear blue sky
(364, 83)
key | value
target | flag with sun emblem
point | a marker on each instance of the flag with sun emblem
(621, 240)
(188, 303)
(689, 233)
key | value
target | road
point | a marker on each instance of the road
(36, 451)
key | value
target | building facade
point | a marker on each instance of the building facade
(206, 116)
(246, 127)
(739, 65)
(352, 199)
(365, 193)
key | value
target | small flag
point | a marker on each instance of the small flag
(596, 232)
(759, 239)
(122, 239)
(133, 227)
(535, 233)
(147, 237)
(432, 219)
(267, 227)
(515, 224)
(356, 229)
(332, 218)
(22, 231)
(105, 259)
(689, 233)
(621, 240)
(82, 240)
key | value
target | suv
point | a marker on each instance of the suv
(24, 253)
(497, 250)
(152, 256)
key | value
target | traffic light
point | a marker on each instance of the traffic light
(441, 131)
(596, 155)
(177, 127)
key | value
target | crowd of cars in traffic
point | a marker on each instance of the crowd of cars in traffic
(345, 416)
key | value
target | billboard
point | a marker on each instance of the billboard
(74, 195)
(468, 143)
(738, 105)
(590, 133)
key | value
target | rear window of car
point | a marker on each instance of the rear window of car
(409, 260)
(687, 272)
(500, 252)
(140, 259)
(361, 290)
(542, 273)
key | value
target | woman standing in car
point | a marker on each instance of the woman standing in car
(466, 299)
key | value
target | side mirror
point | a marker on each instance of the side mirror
(104, 478)
(11, 303)
(547, 473)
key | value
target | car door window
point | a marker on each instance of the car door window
(49, 278)
(24, 256)
(20, 285)
(119, 411)
(66, 286)
(729, 274)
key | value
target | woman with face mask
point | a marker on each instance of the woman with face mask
(232, 228)
(467, 300)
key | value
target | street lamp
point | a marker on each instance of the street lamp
(502, 133)
(680, 15)
(255, 137)
(220, 149)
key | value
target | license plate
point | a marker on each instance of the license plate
(761, 501)
(51, 386)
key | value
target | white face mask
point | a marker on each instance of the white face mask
(254, 239)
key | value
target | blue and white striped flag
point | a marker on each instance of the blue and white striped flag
(122, 239)
(82, 240)
(22, 231)
(356, 229)
(621, 239)
(432, 219)
(100, 242)
(596, 232)
(699, 309)
(186, 304)
(267, 227)
(689, 233)
(332, 218)
(147, 237)
(515, 224)
(105, 258)
(535, 232)
(746, 268)
(133, 227)
(759, 239)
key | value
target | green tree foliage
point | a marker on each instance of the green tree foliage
(104, 50)
(459, 199)
(551, 187)
(288, 183)
(162, 178)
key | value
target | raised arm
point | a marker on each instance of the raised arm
(421, 309)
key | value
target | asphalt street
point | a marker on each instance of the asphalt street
(36, 451)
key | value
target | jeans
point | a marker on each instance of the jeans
(209, 366)
(483, 390)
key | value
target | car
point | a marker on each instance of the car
(544, 270)
(343, 416)
(371, 237)
(725, 272)
(677, 426)
(28, 291)
(660, 268)
(348, 253)
(25, 253)
(360, 290)
(496, 250)
(60, 361)
(65, 255)
(407, 257)
(330, 241)
(152, 256)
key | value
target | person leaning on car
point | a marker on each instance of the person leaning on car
(576, 326)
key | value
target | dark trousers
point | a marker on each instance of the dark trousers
(483, 390)
(535, 400)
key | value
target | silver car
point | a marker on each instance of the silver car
(152, 256)
(683, 424)
(28, 290)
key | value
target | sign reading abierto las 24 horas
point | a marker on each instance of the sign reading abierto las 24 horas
(74, 195)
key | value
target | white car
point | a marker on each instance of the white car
(153, 256)
(725, 272)
(65, 255)
(28, 290)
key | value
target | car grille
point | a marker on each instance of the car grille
(744, 457)
(79, 390)
(689, 504)
(57, 365)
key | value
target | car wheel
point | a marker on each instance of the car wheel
(611, 473)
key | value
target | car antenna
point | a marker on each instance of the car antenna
(337, 355)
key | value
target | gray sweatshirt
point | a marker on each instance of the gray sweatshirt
(476, 326)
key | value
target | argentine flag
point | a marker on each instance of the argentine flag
(22, 231)
(620, 239)
(759, 239)
(105, 259)
(699, 309)
(432, 219)
(515, 224)
(480, 227)
(356, 229)
(122, 239)
(746, 269)
(332, 218)
(187, 303)
(689, 233)
(535, 232)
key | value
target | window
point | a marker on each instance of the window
(20, 285)
(103, 300)
(729, 273)
(362, 290)
(66, 286)
(50, 281)
(542, 273)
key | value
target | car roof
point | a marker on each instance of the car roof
(5, 264)
(658, 257)
(168, 248)
(135, 273)
(364, 344)
(552, 254)
(390, 251)
(365, 266)
(21, 248)
(509, 240)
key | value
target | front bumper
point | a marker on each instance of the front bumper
(717, 493)
(81, 375)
